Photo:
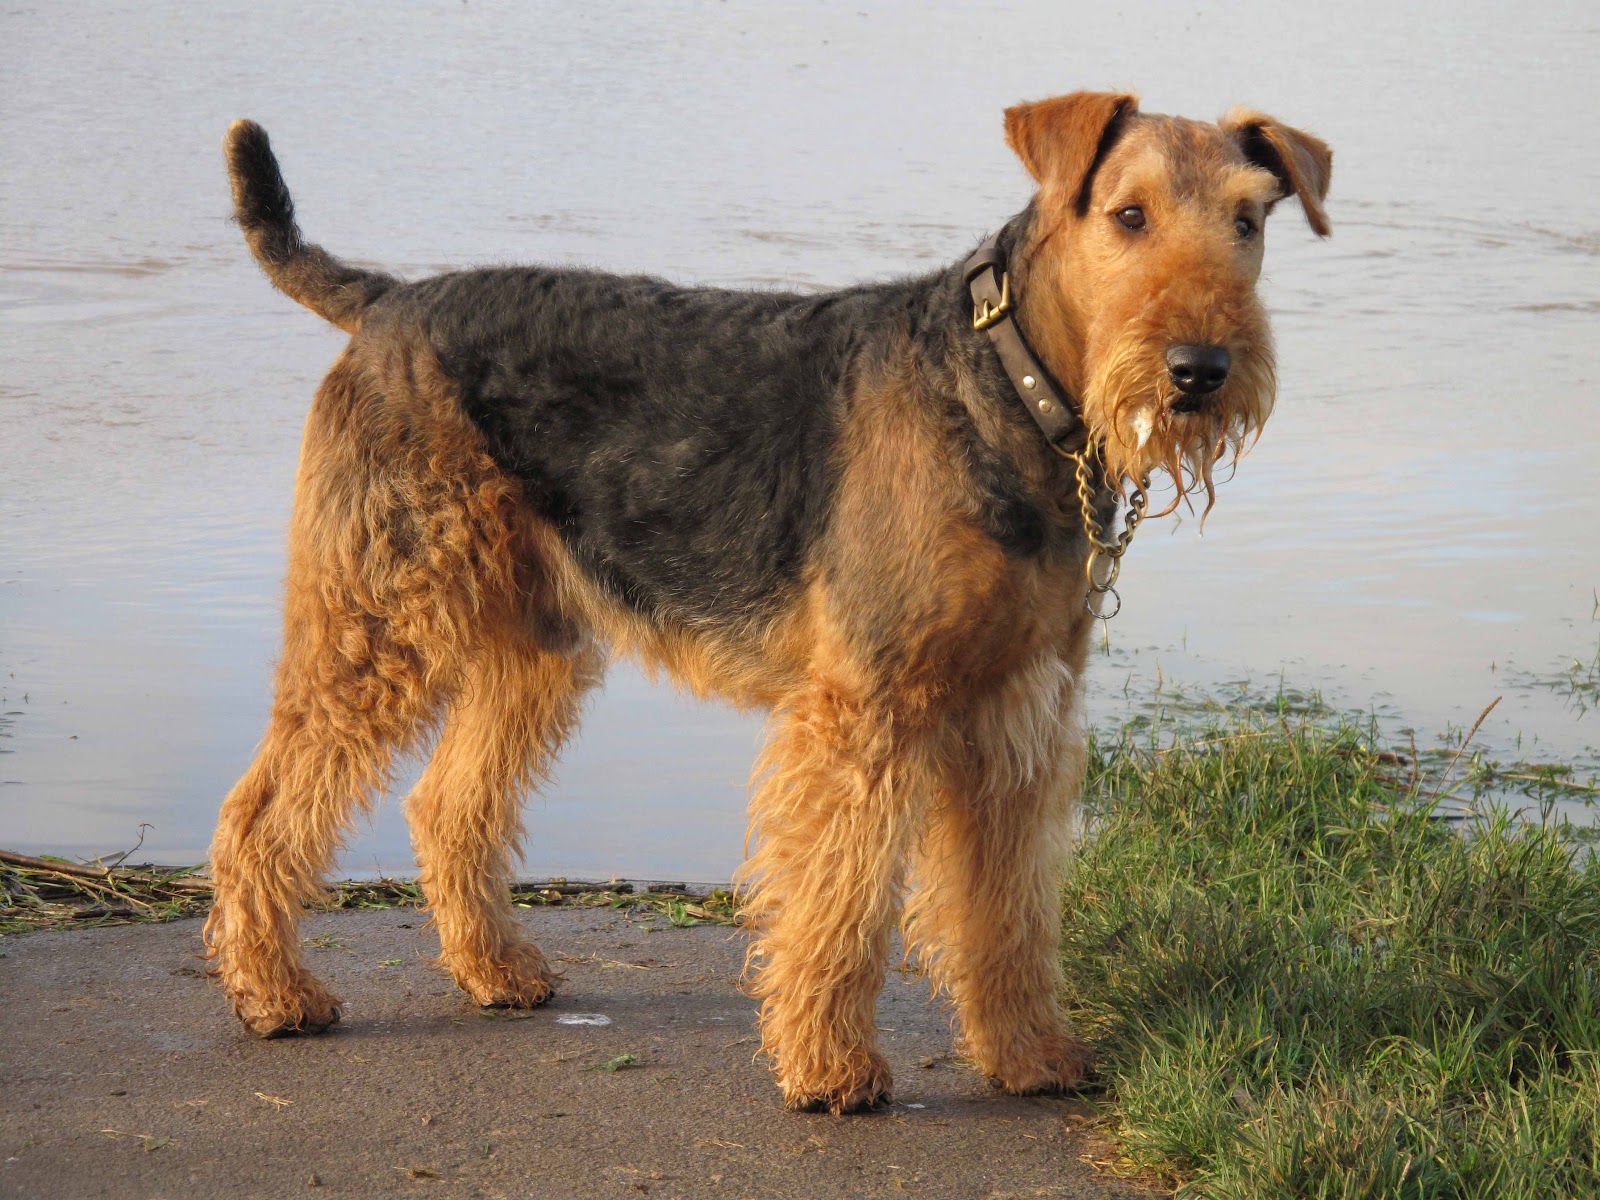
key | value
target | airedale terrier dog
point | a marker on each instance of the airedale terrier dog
(864, 511)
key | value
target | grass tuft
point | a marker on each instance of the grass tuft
(1303, 983)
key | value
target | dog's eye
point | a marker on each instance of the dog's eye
(1245, 228)
(1131, 217)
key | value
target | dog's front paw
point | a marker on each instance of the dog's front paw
(859, 1084)
(1062, 1065)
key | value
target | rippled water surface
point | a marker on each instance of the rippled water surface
(1416, 531)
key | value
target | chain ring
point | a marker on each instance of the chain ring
(1099, 547)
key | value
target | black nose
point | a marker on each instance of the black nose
(1198, 369)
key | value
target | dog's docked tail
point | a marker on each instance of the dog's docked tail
(334, 290)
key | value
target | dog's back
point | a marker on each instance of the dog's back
(656, 426)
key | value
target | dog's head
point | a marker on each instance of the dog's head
(1141, 267)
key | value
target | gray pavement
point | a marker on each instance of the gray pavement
(123, 1074)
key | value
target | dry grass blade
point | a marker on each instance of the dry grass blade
(1444, 780)
(44, 893)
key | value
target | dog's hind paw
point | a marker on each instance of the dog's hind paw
(523, 980)
(311, 1010)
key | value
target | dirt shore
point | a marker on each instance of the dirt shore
(125, 1075)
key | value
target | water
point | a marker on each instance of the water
(1415, 532)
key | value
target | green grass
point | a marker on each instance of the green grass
(1578, 680)
(1581, 683)
(1302, 983)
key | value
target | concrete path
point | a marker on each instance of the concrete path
(123, 1074)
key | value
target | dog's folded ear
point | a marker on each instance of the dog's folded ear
(1063, 139)
(1303, 163)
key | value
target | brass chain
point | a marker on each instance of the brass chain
(1105, 553)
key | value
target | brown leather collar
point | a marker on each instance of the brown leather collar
(993, 308)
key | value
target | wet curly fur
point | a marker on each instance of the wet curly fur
(831, 507)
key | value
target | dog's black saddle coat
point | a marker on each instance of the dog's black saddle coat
(686, 441)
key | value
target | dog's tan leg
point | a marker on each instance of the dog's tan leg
(831, 818)
(985, 915)
(514, 709)
(402, 551)
(335, 724)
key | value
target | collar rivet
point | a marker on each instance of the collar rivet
(1044, 406)
(1028, 381)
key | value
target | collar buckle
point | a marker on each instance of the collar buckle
(988, 286)
(985, 313)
